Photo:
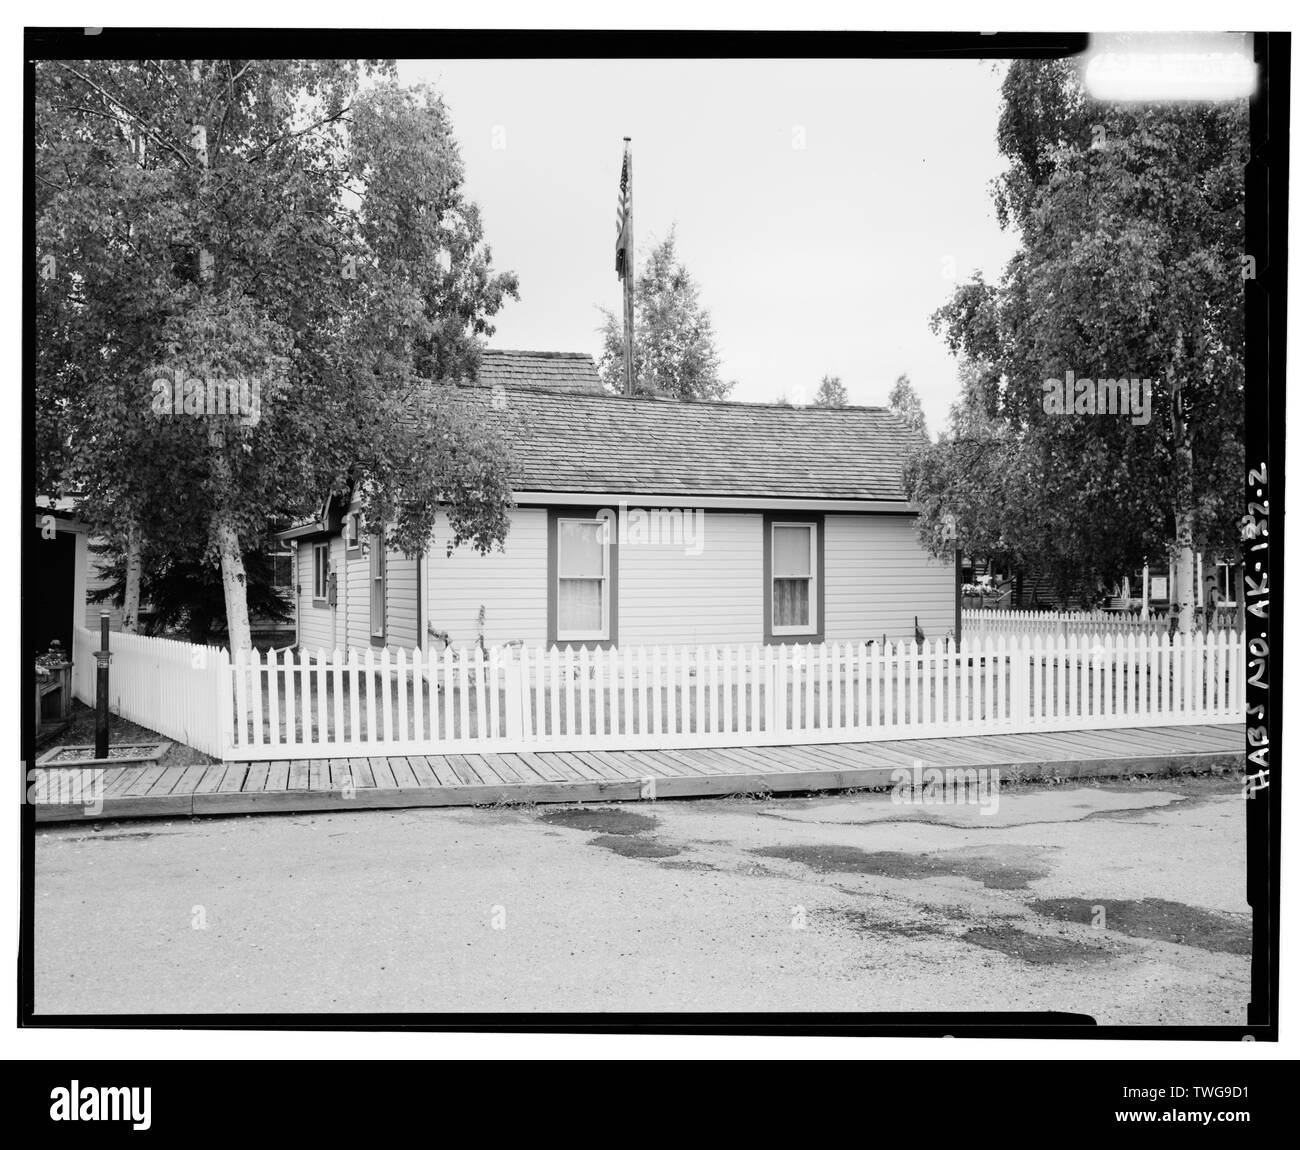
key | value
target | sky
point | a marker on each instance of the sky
(825, 208)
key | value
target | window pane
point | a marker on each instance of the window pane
(581, 550)
(579, 606)
(791, 552)
(790, 603)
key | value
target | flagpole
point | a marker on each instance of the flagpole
(627, 283)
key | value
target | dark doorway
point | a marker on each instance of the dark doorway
(53, 562)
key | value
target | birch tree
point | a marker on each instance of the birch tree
(250, 273)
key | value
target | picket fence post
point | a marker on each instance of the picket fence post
(514, 692)
(224, 702)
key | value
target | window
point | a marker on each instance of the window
(1225, 580)
(794, 584)
(582, 598)
(282, 571)
(352, 531)
(320, 563)
(377, 586)
(794, 579)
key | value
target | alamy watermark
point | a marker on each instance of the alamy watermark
(187, 395)
(1084, 396)
(657, 526)
(946, 786)
(68, 787)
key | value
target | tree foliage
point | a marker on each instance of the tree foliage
(831, 392)
(1131, 220)
(906, 404)
(186, 594)
(673, 353)
(298, 225)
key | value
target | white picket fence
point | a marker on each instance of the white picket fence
(338, 704)
(170, 687)
(979, 623)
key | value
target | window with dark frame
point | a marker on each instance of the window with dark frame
(377, 586)
(320, 556)
(794, 578)
(582, 579)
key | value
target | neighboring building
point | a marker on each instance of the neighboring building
(59, 557)
(1152, 588)
(552, 370)
(643, 521)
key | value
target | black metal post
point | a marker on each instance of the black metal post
(102, 660)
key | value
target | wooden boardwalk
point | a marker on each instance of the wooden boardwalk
(586, 776)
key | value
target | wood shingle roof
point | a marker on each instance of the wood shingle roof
(601, 443)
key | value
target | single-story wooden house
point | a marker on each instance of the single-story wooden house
(644, 521)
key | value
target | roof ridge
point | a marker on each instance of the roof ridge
(662, 399)
(539, 354)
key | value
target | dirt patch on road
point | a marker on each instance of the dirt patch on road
(1036, 949)
(1001, 868)
(118, 836)
(870, 924)
(1156, 918)
(605, 820)
(634, 846)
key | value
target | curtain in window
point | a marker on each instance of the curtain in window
(581, 592)
(791, 575)
(790, 602)
(580, 605)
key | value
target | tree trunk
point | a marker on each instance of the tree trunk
(234, 583)
(234, 579)
(131, 590)
(1184, 557)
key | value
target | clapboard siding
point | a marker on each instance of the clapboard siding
(400, 594)
(317, 626)
(879, 577)
(667, 595)
(96, 581)
(510, 585)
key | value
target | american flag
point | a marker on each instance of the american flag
(624, 213)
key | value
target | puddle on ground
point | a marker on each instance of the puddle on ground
(1159, 919)
(605, 820)
(634, 846)
(999, 868)
(1037, 949)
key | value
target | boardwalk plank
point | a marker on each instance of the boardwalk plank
(402, 772)
(542, 763)
(211, 779)
(382, 772)
(233, 779)
(144, 782)
(423, 772)
(595, 775)
(124, 780)
(190, 779)
(480, 767)
(442, 771)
